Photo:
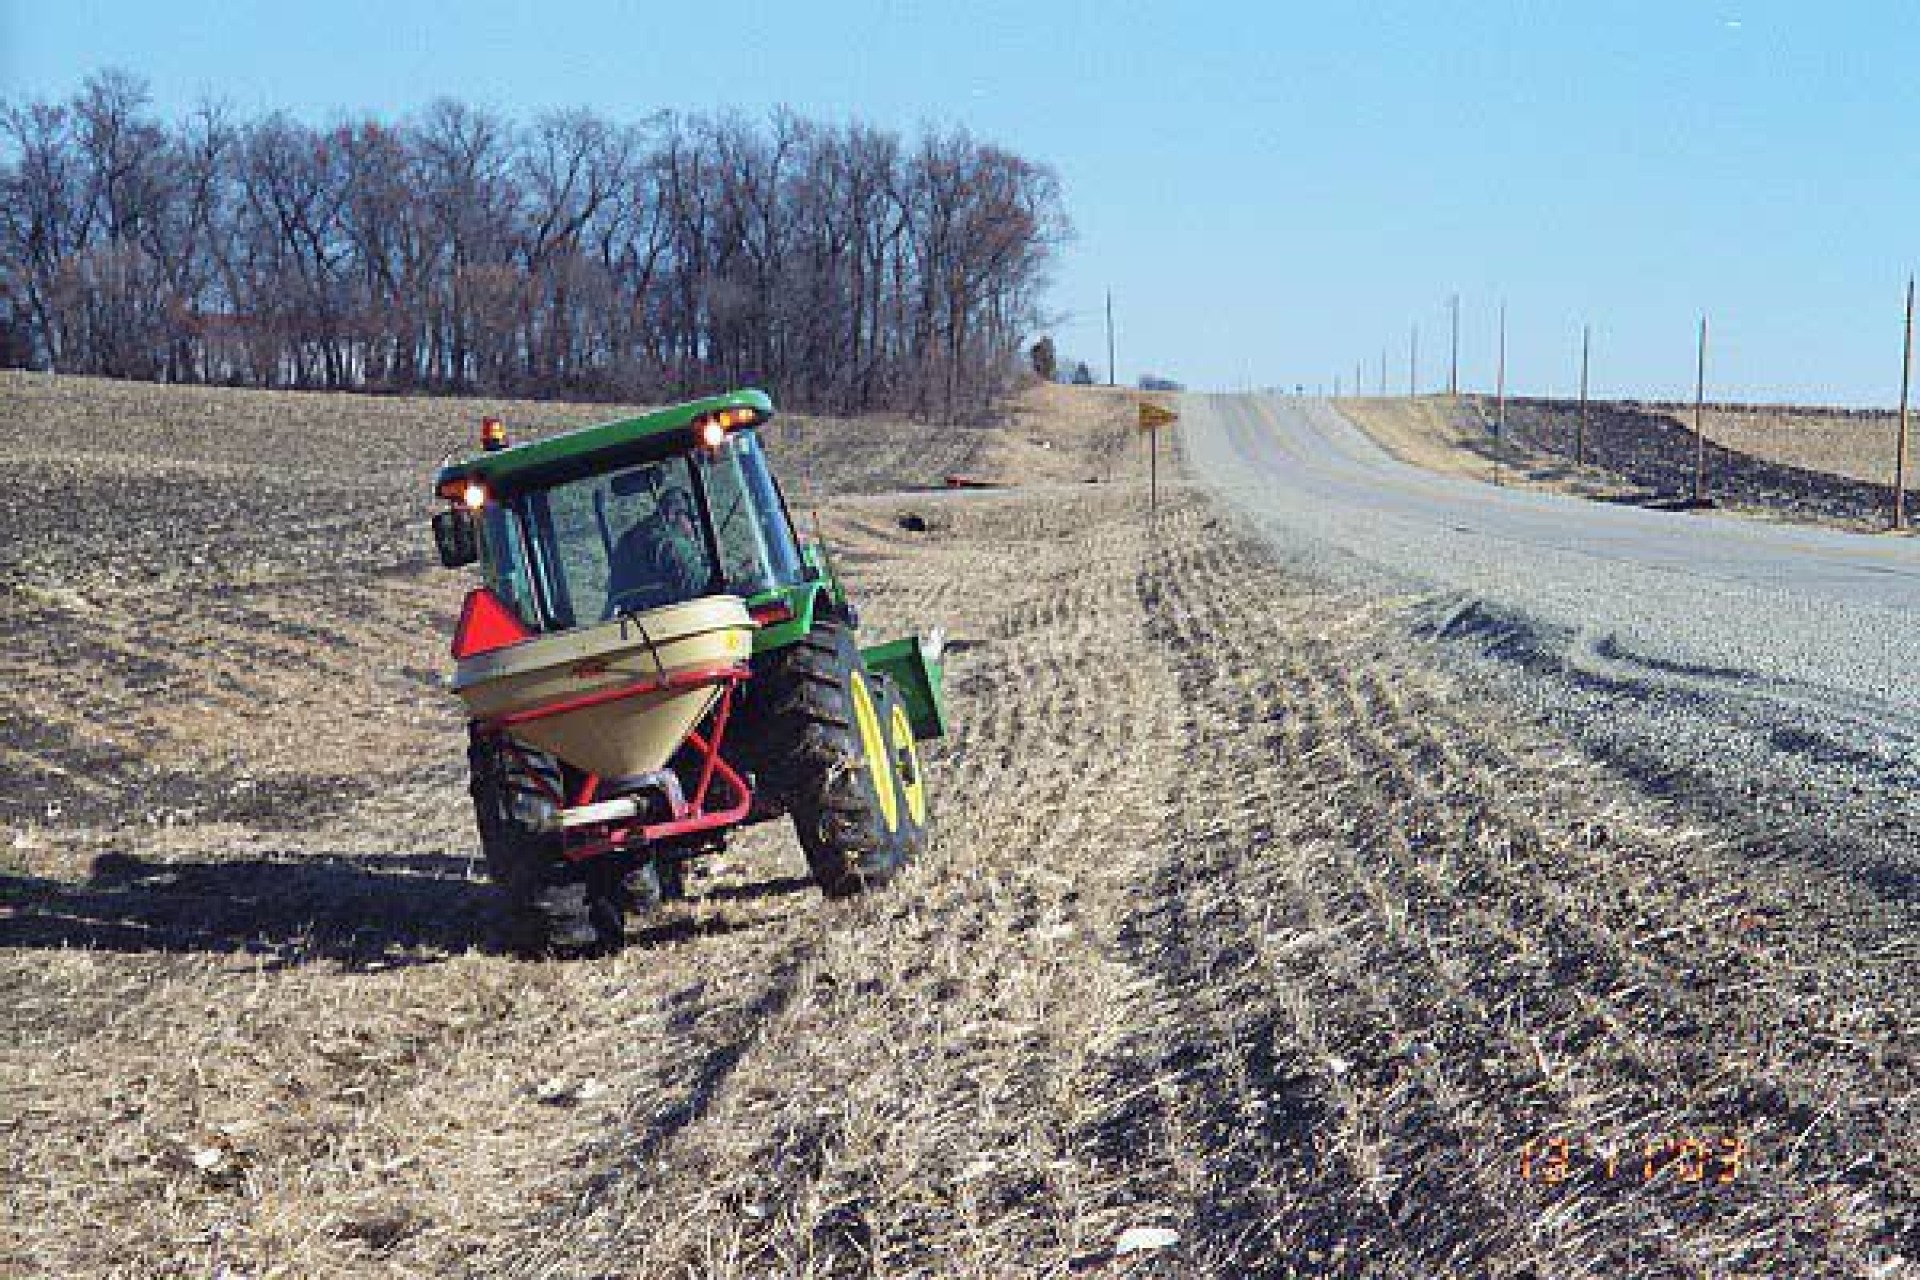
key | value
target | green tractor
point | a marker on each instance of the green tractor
(653, 657)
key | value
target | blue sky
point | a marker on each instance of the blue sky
(1274, 192)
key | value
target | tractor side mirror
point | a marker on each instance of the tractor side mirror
(455, 536)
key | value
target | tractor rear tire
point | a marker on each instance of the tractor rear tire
(553, 906)
(823, 754)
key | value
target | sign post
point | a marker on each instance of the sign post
(1152, 418)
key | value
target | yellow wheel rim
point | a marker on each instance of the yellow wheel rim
(908, 753)
(874, 742)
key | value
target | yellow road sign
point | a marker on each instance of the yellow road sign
(1152, 415)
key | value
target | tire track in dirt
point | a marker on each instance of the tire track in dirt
(1664, 976)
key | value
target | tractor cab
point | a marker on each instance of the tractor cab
(628, 517)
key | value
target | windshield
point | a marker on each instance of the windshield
(620, 542)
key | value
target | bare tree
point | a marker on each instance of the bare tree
(455, 251)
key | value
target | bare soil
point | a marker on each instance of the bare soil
(1827, 466)
(1243, 918)
(1442, 435)
(1858, 444)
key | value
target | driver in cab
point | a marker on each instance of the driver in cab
(660, 560)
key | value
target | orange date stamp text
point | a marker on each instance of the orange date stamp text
(1680, 1159)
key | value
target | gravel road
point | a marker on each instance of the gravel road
(1829, 616)
(1815, 618)
(1767, 675)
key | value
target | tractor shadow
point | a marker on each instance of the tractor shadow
(383, 911)
(388, 910)
(758, 890)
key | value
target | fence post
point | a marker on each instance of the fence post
(1500, 379)
(1580, 428)
(1699, 419)
(1900, 449)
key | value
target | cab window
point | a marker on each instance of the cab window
(757, 551)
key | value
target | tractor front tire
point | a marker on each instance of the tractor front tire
(827, 760)
(909, 778)
(553, 906)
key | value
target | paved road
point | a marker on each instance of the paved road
(1794, 616)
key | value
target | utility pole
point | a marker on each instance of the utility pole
(1699, 418)
(1500, 378)
(1413, 363)
(1383, 371)
(1580, 428)
(1336, 386)
(1359, 387)
(1453, 367)
(1900, 450)
(1110, 381)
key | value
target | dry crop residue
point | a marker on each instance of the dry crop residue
(1241, 919)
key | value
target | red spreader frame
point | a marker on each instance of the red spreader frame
(701, 813)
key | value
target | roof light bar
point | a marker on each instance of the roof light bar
(711, 429)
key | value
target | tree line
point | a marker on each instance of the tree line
(458, 251)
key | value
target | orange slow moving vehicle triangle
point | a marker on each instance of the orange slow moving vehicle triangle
(486, 624)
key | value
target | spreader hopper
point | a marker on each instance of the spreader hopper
(616, 699)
